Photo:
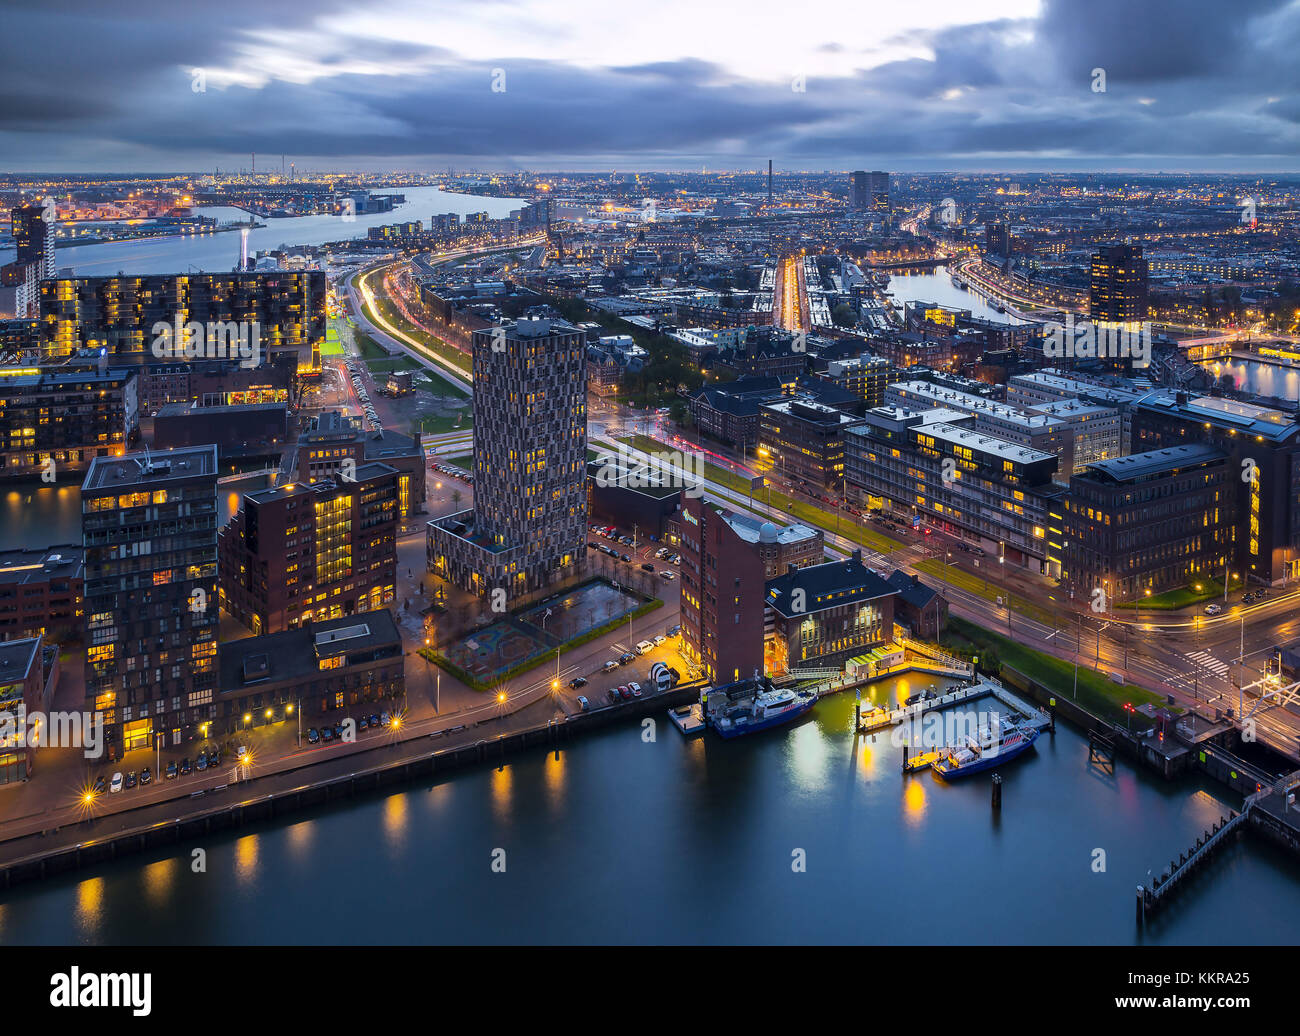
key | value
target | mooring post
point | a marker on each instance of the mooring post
(1051, 717)
(857, 715)
(997, 791)
(1141, 904)
(905, 758)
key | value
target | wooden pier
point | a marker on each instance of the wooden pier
(1151, 897)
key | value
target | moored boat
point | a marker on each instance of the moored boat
(992, 748)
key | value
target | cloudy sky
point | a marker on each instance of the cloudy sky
(595, 84)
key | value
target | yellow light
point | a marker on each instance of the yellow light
(268, 713)
(248, 716)
(501, 697)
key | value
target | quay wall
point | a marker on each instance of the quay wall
(259, 807)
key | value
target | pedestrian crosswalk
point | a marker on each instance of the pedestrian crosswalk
(1208, 661)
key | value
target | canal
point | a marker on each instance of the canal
(937, 286)
(620, 840)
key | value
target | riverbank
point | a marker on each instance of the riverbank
(283, 793)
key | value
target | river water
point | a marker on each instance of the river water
(937, 287)
(219, 252)
(616, 840)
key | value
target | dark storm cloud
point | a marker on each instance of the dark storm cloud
(1189, 78)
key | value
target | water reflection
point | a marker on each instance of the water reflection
(1262, 379)
(159, 880)
(246, 860)
(553, 779)
(395, 822)
(90, 906)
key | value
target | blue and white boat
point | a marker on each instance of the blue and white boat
(992, 748)
(766, 709)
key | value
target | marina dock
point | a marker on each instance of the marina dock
(689, 719)
(878, 718)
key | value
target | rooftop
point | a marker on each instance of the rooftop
(152, 468)
(1155, 462)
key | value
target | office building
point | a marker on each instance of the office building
(869, 190)
(1150, 522)
(933, 466)
(804, 441)
(149, 531)
(864, 376)
(1044, 432)
(528, 526)
(1117, 287)
(297, 553)
(1264, 447)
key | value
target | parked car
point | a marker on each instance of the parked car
(101, 785)
(647, 567)
(578, 681)
(592, 545)
(609, 667)
(1213, 609)
(201, 763)
(130, 779)
(362, 723)
(644, 646)
(675, 631)
(613, 694)
(214, 759)
(667, 575)
(582, 701)
(635, 688)
(146, 776)
(625, 693)
(313, 736)
(660, 639)
(626, 657)
(374, 719)
(625, 557)
(326, 734)
(115, 785)
(172, 771)
(186, 767)
(385, 719)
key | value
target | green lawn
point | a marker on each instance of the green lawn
(974, 584)
(1096, 693)
(1183, 597)
(465, 460)
(434, 425)
(849, 526)
(333, 345)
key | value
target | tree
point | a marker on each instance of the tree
(843, 315)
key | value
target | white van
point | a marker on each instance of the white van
(644, 646)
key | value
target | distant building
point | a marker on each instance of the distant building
(920, 608)
(34, 238)
(149, 528)
(1117, 287)
(528, 526)
(41, 593)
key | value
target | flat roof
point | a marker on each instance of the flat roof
(1153, 462)
(16, 658)
(941, 395)
(1248, 418)
(157, 466)
(986, 443)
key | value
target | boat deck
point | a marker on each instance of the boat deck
(690, 724)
